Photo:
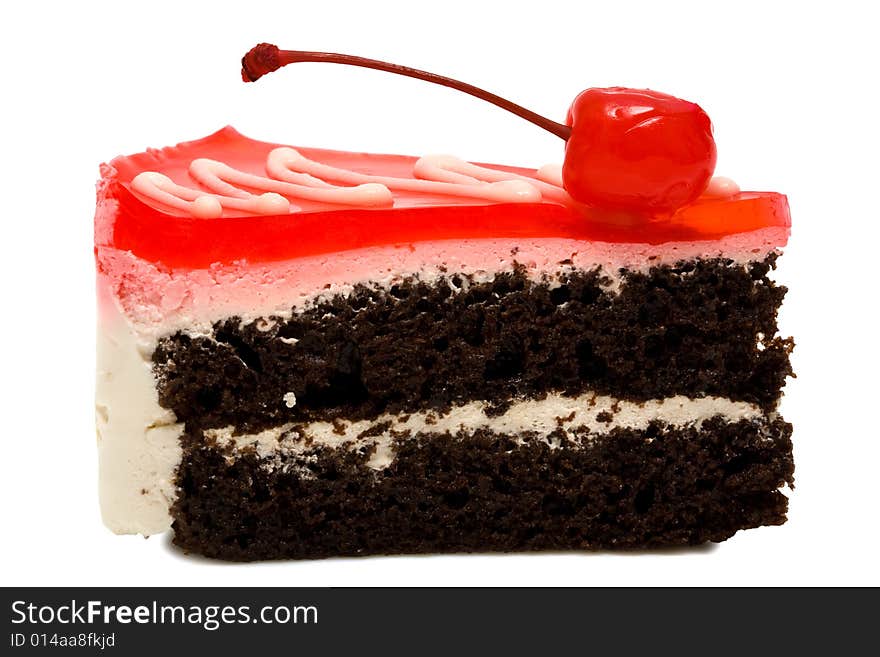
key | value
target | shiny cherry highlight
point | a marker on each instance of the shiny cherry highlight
(634, 149)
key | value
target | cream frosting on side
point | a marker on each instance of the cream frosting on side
(138, 441)
(588, 413)
(159, 301)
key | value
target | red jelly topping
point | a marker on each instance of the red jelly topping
(177, 241)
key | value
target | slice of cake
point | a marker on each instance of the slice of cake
(307, 353)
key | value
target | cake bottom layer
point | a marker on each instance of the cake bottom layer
(482, 492)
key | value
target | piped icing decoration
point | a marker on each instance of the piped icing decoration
(632, 151)
(291, 175)
(721, 187)
(435, 174)
(161, 188)
(222, 178)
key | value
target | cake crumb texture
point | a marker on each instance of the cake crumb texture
(705, 327)
(487, 492)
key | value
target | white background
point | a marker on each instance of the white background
(792, 91)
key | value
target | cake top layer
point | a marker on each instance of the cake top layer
(227, 198)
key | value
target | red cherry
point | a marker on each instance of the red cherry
(637, 150)
(630, 150)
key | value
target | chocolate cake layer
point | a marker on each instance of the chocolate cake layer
(482, 491)
(692, 329)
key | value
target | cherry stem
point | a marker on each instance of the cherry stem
(265, 58)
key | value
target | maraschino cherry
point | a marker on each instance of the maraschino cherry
(628, 150)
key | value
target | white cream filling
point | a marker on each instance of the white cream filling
(589, 414)
(138, 440)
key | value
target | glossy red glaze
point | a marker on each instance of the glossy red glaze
(126, 221)
(637, 150)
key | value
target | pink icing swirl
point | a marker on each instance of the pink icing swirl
(291, 175)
